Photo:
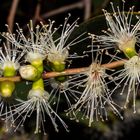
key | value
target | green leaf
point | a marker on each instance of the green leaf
(22, 90)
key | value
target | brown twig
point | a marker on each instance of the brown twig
(66, 72)
(63, 9)
(114, 64)
(14, 79)
(12, 12)
(37, 16)
(80, 70)
(87, 12)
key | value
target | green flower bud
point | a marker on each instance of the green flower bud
(130, 52)
(7, 88)
(39, 84)
(36, 59)
(9, 71)
(29, 72)
(58, 66)
(61, 78)
(38, 64)
(129, 48)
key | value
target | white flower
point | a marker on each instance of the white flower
(95, 101)
(37, 101)
(129, 78)
(10, 57)
(42, 42)
(32, 44)
(121, 32)
(58, 49)
(66, 90)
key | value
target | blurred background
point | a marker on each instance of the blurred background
(21, 11)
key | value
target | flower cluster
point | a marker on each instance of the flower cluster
(95, 98)
(43, 58)
(34, 49)
(125, 37)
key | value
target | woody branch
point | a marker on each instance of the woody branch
(46, 75)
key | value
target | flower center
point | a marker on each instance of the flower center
(38, 93)
(128, 47)
(132, 66)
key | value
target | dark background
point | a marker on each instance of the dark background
(114, 129)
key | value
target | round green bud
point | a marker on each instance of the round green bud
(61, 78)
(130, 52)
(36, 59)
(7, 88)
(57, 66)
(9, 71)
(128, 47)
(38, 64)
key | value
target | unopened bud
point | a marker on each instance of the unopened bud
(29, 72)
(9, 71)
(129, 48)
(7, 88)
(61, 78)
(58, 66)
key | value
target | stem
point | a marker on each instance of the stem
(67, 71)
(14, 79)
(63, 9)
(79, 70)
(87, 4)
(12, 12)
